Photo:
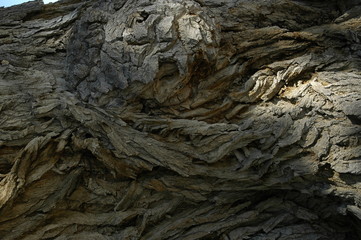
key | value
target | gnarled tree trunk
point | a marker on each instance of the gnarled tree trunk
(180, 119)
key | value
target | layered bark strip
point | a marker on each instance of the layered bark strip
(180, 119)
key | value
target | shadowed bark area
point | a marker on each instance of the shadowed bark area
(180, 119)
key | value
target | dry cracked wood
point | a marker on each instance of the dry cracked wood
(180, 119)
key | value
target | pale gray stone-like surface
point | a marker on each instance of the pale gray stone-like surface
(183, 119)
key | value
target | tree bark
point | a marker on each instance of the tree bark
(180, 119)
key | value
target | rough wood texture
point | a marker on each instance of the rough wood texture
(180, 119)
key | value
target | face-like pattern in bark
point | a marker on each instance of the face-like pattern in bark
(143, 42)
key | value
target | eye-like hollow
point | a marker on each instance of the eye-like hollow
(142, 17)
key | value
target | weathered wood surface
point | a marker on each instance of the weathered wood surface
(180, 119)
